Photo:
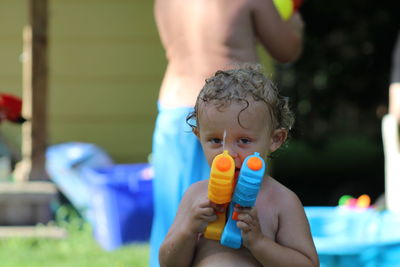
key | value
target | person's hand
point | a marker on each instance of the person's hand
(296, 21)
(394, 100)
(249, 224)
(201, 212)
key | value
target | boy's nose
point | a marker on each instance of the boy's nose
(232, 152)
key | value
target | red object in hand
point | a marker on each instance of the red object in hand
(11, 108)
(297, 4)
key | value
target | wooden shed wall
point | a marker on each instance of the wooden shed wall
(105, 67)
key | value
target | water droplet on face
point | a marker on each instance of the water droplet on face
(223, 140)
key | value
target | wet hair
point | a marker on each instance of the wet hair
(237, 85)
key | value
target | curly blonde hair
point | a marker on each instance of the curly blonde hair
(236, 85)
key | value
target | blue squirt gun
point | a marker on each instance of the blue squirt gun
(247, 187)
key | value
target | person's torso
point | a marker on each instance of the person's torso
(201, 37)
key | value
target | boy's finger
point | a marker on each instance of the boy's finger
(218, 207)
(208, 211)
(245, 217)
(243, 226)
(210, 218)
(205, 203)
(242, 209)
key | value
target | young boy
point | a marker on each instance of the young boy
(242, 112)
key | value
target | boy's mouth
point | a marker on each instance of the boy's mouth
(237, 171)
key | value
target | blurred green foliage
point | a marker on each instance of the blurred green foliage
(342, 76)
(321, 174)
(338, 90)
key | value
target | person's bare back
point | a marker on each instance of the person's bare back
(201, 36)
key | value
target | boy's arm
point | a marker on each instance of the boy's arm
(282, 39)
(294, 245)
(194, 213)
(178, 248)
(394, 100)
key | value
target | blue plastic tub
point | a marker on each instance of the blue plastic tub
(353, 237)
(65, 163)
(122, 203)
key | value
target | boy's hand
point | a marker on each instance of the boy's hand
(202, 212)
(249, 224)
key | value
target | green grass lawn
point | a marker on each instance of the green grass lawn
(78, 249)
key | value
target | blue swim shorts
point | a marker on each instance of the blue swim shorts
(178, 161)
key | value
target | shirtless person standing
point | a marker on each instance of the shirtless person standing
(200, 37)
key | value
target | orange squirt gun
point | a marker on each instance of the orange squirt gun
(220, 188)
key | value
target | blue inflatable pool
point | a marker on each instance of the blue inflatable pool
(355, 237)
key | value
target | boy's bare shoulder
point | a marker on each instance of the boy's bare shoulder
(200, 185)
(196, 188)
(277, 190)
(277, 196)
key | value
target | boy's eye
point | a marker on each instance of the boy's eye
(244, 141)
(216, 141)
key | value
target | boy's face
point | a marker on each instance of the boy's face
(253, 134)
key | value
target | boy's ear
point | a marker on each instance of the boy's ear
(278, 137)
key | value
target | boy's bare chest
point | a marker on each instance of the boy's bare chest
(211, 253)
